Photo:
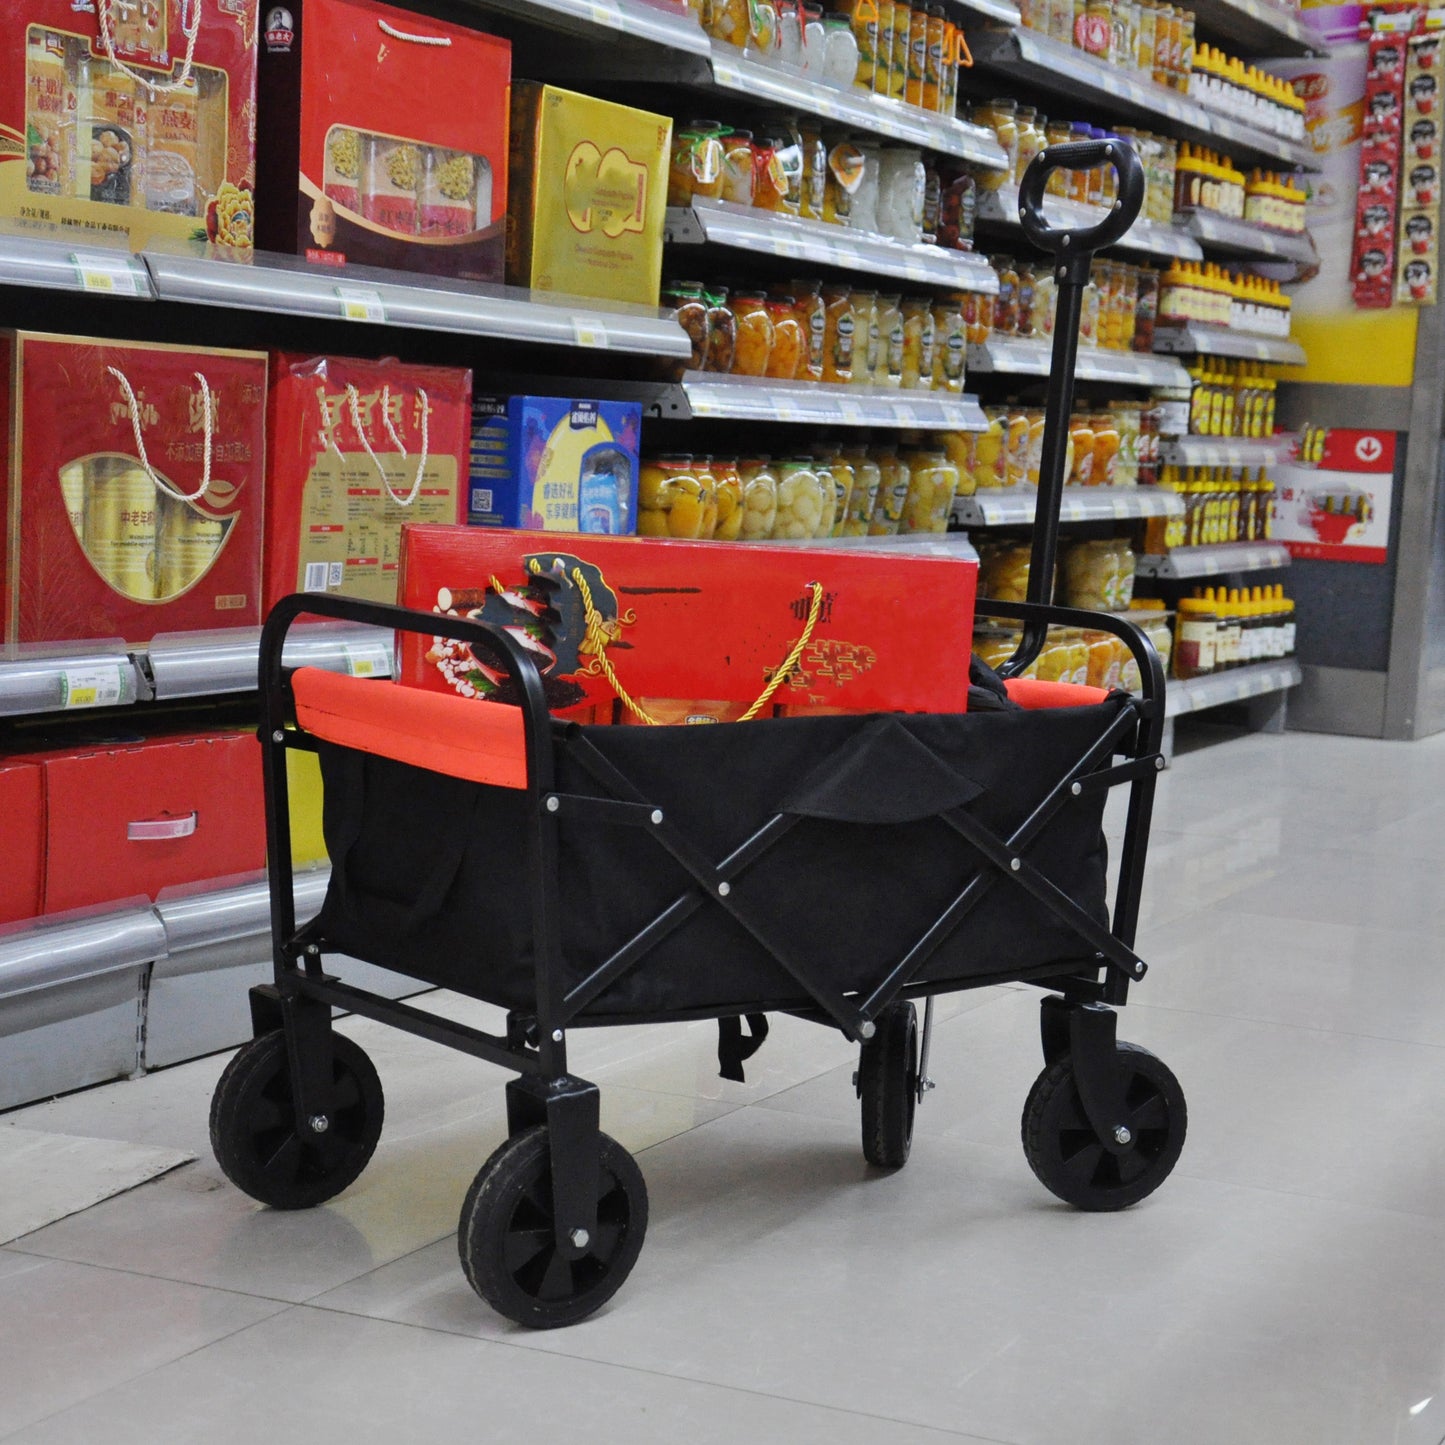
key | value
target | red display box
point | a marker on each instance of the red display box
(22, 808)
(134, 818)
(696, 619)
(337, 496)
(385, 139)
(133, 491)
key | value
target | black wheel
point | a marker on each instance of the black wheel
(1063, 1150)
(253, 1126)
(509, 1248)
(888, 1086)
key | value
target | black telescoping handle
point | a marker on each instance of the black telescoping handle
(1072, 252)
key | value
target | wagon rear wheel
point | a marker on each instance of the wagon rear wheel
(888, 1086)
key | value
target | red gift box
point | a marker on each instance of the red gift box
(357, 448)
(132, 819)
(695, 619)
(21, 806)
(386, 139)
(135, 482)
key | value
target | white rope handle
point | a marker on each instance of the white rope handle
(159, 481)
(154, 86)
(352, 397)
(414, 39)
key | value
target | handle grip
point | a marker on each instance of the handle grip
(1081, 156)
(155, 830)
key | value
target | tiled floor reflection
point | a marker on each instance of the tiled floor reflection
(1285, 1286)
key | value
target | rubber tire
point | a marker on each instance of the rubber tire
(506, 1242)
(1065, 1153)
(253, 1128)
(888, 1084)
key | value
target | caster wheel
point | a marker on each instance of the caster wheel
(888, 1085)
(1064, 1151)
(507, 1244)
(253, 1127)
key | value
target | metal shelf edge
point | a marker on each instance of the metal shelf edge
(1198, 340)
(1001, 207)
(1214, 561)
(1218, 690)
(1079, 504)
(743, 399)
(1244, 238)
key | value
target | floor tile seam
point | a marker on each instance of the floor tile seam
(1184, 1172)
(1286, 1024)
(534, 1351)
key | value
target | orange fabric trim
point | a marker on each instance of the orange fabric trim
(480, 742)
(1029, 692)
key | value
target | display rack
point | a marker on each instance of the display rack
(634, 20)
(1217, 341)
(1239, 684)
(1001, 208)
(1255, 27)
(70, 265)
(1226, 236)
(745, 228)
(1196, 451)
(37, 678)
(1015, 356)
(1222, 559)
(1017, 507)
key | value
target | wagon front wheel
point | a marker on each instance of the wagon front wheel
(1067, 1154)
(888, 1086)
(507, 1239)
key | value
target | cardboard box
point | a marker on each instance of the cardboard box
(386, 139)
(132, 507)
(338, 494)
(131, 819)
(547, 464)
(103, 156)
(695, 619)
(589, 195)
(22, 808)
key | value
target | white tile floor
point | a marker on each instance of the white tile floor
(1285, 1287)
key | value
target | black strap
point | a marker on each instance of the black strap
(733, 1048)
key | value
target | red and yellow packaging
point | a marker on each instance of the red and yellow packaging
(22, 794)
(589, 195)
(115, 123)
(386, 139)
(356, 449)
(133, 492)
(693, 619)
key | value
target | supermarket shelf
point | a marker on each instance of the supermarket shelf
(1047, 65)
(1216, 561)
(68, 264)
(999, 10)
(208, 276)
(1216, 341)
(633, 19)
(1223, 234)
(1236, 685)
(1255, 27)
(762, 81)
(1002, 208)
(1016, 508)
(744, 228)
(1223, 451)
(58, 678)
(1014, 356)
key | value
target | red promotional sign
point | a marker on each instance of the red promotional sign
(1336, 508)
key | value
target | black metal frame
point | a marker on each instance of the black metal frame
(1078, 1019)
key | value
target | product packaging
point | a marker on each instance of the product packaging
(22, 808)
(116, 124)
(356, 449)
(385, 139)
(1372, 262)
(547, 464)
(693, 620)
(133, 493)
(1417, 274)
(588, 195)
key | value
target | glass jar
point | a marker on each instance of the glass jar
(978, 317)
(800, 501)
(1034, 464)
(686, 300)
(863, 212)
(961, 448)
(892, 494)
(790, 35)
(828, 495)
(1106, 448)
(990, 451)
(729, 484)
(722, 331)
(844, 176)
(932, 484)
(883, 62)
(762, 27)
(889, 314)
(862, 16)
(670, 500)
(1081, 438)
(932, 202)
(702, 470)
(1031, 140)
(1146, 308)
(1196, 632)
(1001, 117)
(917, 56)
(957, 209)
(898, 60)
(865, 335)
(866, 477)
(755, 334)
(1057, 133)
(840, 50)
(1016, 459)
(901, 183)
(696, 166)
(837, 333)
(1046, 294)
(844, 476)
(728, 20)
(815, 173)
(918, 337)
(760, 499)
(786, 359)
(1006, 303)
(814, 59)
(934, 63)
(778, 169)
(950, 344)
(738, 167)
(1024, 298)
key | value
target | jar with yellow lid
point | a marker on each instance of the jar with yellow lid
(760, 499)
(729, 483)
(932, 485)
(671, 500)
(866, 478)
(918, 340)
(800, 501)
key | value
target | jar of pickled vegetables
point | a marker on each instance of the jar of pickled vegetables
(728, 20)
(866, 477)
(813, 320)
(828, 496)
(738, 167)
(686, 300)
(932, 484)
(918, 337)
(1017, 446)
(702, 470)
(889, 314)
(961, 448)
(1106, 448)
(722, 331)
(837, 333)
(696, 166)
(760, 499)
(786, 359)
(950, 344)
(670, 499)
(892, 494)
(865, 335)
(755, 334)
(800, 501)
(990, 453)
(1002, 118)
(815, 172)
(729, 499)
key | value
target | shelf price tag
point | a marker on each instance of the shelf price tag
(110, 275)
(92, 686)
(787, 246)
(726, 73)
(601, 13)
(590, 333)
(786, 409)
(904, 414)
(360, 303)
(851, 413)
(366, 660)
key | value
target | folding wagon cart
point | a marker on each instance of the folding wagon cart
(833, 868)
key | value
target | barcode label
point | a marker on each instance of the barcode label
(316, 574)
(482, 499)
(91, 686)
(335, 574)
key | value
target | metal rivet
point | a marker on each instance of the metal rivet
(657, 815)
(1108, 150)
(1063, 274)
(723, 889)
(313, 950)
(556, 1036)
(278, 736)
(1067, 241)
(1122, 1135)
(1159, 765)
(866, 1031)
(1077, 789)
(1118, 205)
(1015, 864)
(552, 805)
(319, 1123)
(580, 1238)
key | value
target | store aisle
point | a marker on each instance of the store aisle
(1282, 1288)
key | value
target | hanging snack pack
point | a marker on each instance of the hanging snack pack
(549, 464)
(133, 496)
(129, 122)
(357, 448)
(1372, 263)
(370, 157)
(693, 620)
(1417, 273)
